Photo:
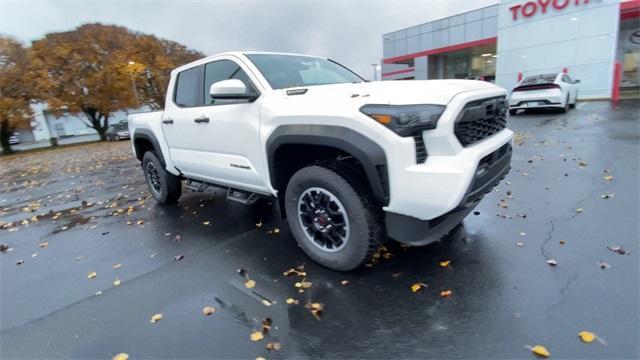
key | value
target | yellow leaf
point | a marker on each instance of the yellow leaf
(208, 310)
(155, 318)
(445, 263)
(587, 336)
(291, 301)
(446, 293)
(540, 351)
(276, 231)
(256, 336)
(92, 275)
(121, 356)
(417, 287)
(250, 284)
(116, 282)
(206, 223)
(608, 178)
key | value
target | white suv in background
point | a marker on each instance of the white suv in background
(552, 91)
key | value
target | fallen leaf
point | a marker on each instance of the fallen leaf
(292, 301)
(552, 262)
(260, 358)
(259, 224)
(250, 284)
(304, 284)
(582, 163)
(446, 293)
(519, 244)
(540, 350)
(417, 287)
(208, 310)
(121, 356)
(98, 293)
(140, 222)
(266, 302)
(273, 346)
(276, 231)
(587, 336)
(44, 244)
(178, 257)
(117, 266)
(206, 223)
(445, 263)
(92, 275)
(562, 242)
(116, 282)
(604, 265)
(579, 210)
(608, 178)
(155, 318)
(618, 250)
(316, 309)
(344, 282)
(256, 336)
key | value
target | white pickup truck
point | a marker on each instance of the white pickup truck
(350, 162)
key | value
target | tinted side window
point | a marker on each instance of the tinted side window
(187, 88)
(224, 70)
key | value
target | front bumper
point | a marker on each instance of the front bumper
(491, 169)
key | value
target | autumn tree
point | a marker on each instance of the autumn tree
(151, 62)
(16, 91)
(99, 69)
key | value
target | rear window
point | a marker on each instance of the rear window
(187, 88)
(539, 79)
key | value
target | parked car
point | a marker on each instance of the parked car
(14, 139)
(348, 161)
(487, 77)
(547, 91)
(117, 132)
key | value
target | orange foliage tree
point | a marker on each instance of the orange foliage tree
(16, 90)
(99, 69)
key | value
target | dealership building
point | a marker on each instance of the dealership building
(595, 41)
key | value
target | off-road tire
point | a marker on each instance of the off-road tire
(170, 186)
(365, 221)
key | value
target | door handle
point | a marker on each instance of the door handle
(202, 119)
(167, 121)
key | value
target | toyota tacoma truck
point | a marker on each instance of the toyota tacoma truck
(350, 162)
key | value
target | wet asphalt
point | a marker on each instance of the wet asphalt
(504, 297)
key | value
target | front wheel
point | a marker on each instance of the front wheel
(336, 225)
(165, 187)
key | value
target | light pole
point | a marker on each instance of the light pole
(133, 83)
(375, 71)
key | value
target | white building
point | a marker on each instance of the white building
(596, 41)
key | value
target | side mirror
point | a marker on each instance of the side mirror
(232, 89)
(576, 81)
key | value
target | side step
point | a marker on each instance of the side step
(243, 197)
(240, 196)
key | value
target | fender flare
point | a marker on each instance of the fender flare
(147, 134)
(370, 155)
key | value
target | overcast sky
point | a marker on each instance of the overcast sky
(348, 31)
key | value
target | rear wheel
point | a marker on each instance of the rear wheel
(165, 187)
(512, 111)
(332, 219)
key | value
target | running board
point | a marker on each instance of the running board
(240, 196)
(243, 197)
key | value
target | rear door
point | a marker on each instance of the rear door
(216, 140)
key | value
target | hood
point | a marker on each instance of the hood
(399, 92)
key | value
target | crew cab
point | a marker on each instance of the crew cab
(350, 162)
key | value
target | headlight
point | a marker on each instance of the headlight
(405, 120)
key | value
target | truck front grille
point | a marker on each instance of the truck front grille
(421, 150)
(480, 119)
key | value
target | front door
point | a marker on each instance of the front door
(215, 140)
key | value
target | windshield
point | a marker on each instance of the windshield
(539, 79)
(285, 71)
